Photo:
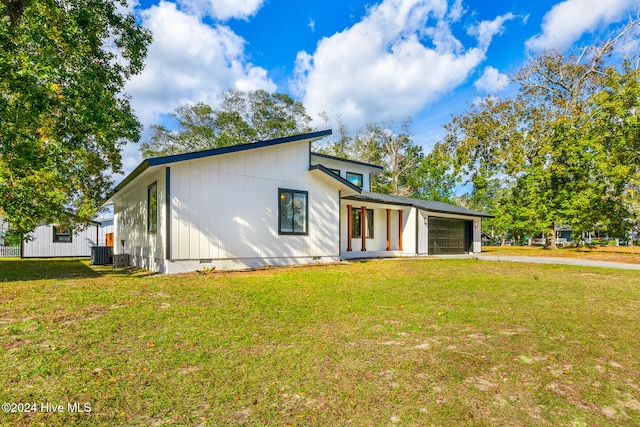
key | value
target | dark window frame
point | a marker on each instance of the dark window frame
(152, 220)
(281, 192)
(356, 223)
(354, 174)
(336, 171)
(63, 232)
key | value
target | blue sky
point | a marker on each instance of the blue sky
(363, 60)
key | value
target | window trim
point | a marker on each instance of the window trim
(56, 236)
(354, 174)
(336, 171)
(151, 229)
(358, 230)
(281, 191)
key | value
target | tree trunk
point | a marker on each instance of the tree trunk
(550, 239)
(530, 241)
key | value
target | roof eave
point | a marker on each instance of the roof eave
(343, 182)
(157, 161)
(375, 168)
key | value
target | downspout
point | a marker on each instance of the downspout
(417, 215)
(339, 224)
(167, 205)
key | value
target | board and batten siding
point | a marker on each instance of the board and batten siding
(226, 208)
(41, 244)
(146, 249)
(105, 228)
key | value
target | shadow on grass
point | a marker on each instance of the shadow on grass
(14, 269)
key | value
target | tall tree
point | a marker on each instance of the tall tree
(381, 144)
(434, 177)
(241, 117)
(556, 144)
(64, 116)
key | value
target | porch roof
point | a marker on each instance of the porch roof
(427, 205)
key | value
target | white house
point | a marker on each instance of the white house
(4, 227)
(54, 241)
(273, 202)
(105, 232)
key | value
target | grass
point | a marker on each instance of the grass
(424, 343)
(627, 254)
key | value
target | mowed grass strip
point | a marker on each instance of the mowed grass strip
(429, 342)
(626, 254)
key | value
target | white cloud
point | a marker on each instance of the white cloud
(222, 9)
(486, 30)
(188, 61)
(456, 11)
(566, 22)
(400, 57)
(492, 81)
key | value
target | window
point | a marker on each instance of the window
(356, 223)
(336, 171)
(152, 208)
(355, 179)
(61, 235)
(292, 212)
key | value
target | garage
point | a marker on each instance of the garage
(450, 236)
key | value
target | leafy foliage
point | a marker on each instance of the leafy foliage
(242, 117)
(380, 144)
(63, 67)
(563, 150)
(436, 178)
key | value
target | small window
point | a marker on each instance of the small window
(152, 208)
(336, 171)
(356, 223)
(61, 235)
(355, 178)
(292, 212)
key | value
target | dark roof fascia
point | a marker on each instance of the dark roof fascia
(364, 198)
(236, 148)
(468, 213)
(416, 203)
(157, 161)
(340, 179)
(355, 162)
(133, 175)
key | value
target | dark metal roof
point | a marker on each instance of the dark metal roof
(157, 161)
(355, 162)
(427, 205)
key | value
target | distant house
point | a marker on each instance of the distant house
(4, 227)
(274, 202)
(54, 241)
(105, 232)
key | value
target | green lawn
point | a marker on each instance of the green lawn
(418, 343)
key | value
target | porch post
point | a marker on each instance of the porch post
(388, 229)
(400, 230)
(349, 228)
(363, 227)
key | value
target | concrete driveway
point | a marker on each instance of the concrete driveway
(562, 261)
